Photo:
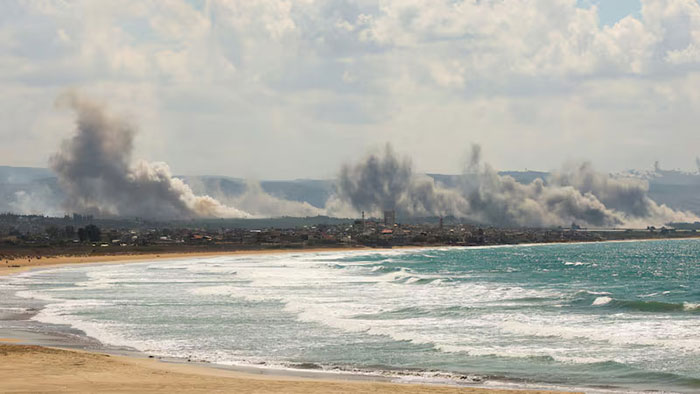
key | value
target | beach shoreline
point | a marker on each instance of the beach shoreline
(400, 378)
(48, 352)
(318, 379)
(19, 265)
(27, 368)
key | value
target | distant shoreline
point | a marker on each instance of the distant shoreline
(34, 260)
(26, 263)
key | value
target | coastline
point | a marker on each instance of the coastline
(230, 379)
(23, 265)
(26, 368)
(54, 261)
(31, 364)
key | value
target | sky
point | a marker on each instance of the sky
(279, 89)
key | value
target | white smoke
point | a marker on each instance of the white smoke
(35, 202)
(257, 202)
(252, 198)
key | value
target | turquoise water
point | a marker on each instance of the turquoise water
(620, 315)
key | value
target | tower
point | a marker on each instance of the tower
(389, 218)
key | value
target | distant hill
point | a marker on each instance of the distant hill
(20, 175)
(315, 192)
(519, 176)
(37, 187)
(676, 189)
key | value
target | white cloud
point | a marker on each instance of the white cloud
(235, 82)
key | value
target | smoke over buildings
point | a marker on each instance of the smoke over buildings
(501, 200)
(385, 182)
(97, 175)
(626, 196)
(95, 170)
(574, 194)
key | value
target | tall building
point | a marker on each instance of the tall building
(389, 218)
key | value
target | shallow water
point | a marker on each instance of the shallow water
(622, 315)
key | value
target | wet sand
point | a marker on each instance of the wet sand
(40, 369)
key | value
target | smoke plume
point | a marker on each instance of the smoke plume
(574, 194)
(96, 171)
(501, 200)
(627, 196)
(697, 163)
(385, 182)
(40, 201)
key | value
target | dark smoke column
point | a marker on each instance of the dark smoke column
(386, 183)
(376, 184)
(95, 169)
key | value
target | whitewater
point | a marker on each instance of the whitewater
(618, 316)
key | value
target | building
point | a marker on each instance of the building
(389, 218)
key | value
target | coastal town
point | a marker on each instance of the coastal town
(23, 236)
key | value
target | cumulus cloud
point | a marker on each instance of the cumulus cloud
(351, 73)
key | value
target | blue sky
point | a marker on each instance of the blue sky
(611, 11)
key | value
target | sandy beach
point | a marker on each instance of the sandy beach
(40, 369)
(27, 368)
(17, 265)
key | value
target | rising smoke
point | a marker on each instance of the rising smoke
(96, 171)
(574, 194)
(384, 182)
(501, 200)
(697, 163)
(626, 196)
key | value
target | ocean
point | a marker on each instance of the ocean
(614, 316)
